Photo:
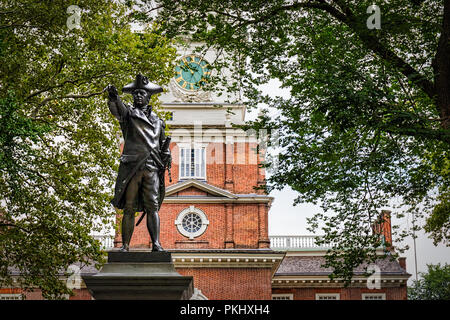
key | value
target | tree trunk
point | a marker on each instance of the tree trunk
(441, 66)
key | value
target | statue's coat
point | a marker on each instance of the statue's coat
(144, 136)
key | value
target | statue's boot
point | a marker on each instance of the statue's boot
(156, 246)
(124, 248)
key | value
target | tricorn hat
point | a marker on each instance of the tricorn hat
(142, 82)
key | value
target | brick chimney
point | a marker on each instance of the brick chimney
(382, 227)
(402, 262)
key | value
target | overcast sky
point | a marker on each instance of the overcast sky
(287, 219)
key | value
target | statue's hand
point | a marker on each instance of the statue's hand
(112, 92)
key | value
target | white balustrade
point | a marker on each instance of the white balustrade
(276, 242)
(295, 242)
(107, 241)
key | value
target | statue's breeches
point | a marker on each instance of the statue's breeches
(145, 185)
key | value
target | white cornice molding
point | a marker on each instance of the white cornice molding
(240, 200)
(385, 281)
(200, 105)
(313, 252)
(305, 252)
(211, 131)
(227, 260)
(199, 185)
(221, 195)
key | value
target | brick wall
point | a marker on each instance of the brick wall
(231, 283)
(231, 226)
(10, 291)
(395, 293)
(242, 284)
(233, 167)
(248, 227)
(81, 294)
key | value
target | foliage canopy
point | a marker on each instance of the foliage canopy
(434, 284)
(367, 122)
(59, 147)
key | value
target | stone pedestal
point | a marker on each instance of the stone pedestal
(139, 275)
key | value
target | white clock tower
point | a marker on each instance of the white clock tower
(189, 102)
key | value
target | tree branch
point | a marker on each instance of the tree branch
(322, 5)
(371, 41)
(14, 226)
(74, 82)
(73, 96)
(368, 37)
(441, 68)
(441, 135)
(19, 26)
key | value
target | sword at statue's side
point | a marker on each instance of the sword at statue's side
(168, 163)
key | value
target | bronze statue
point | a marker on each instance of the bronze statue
(146, 154)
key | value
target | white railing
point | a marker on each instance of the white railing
(107, 241)
(276, 242)
(295, 242)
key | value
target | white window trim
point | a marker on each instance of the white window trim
(179, 222)
(194, 146)
(289, 296)
(364, 296)
(337, 295)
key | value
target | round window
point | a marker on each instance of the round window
(191, 222)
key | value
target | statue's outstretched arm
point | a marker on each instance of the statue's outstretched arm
(116, 106)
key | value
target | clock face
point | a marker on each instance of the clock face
(192, 72)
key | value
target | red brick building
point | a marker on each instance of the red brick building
(215, 223)
(302, 277)
(213, 220)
